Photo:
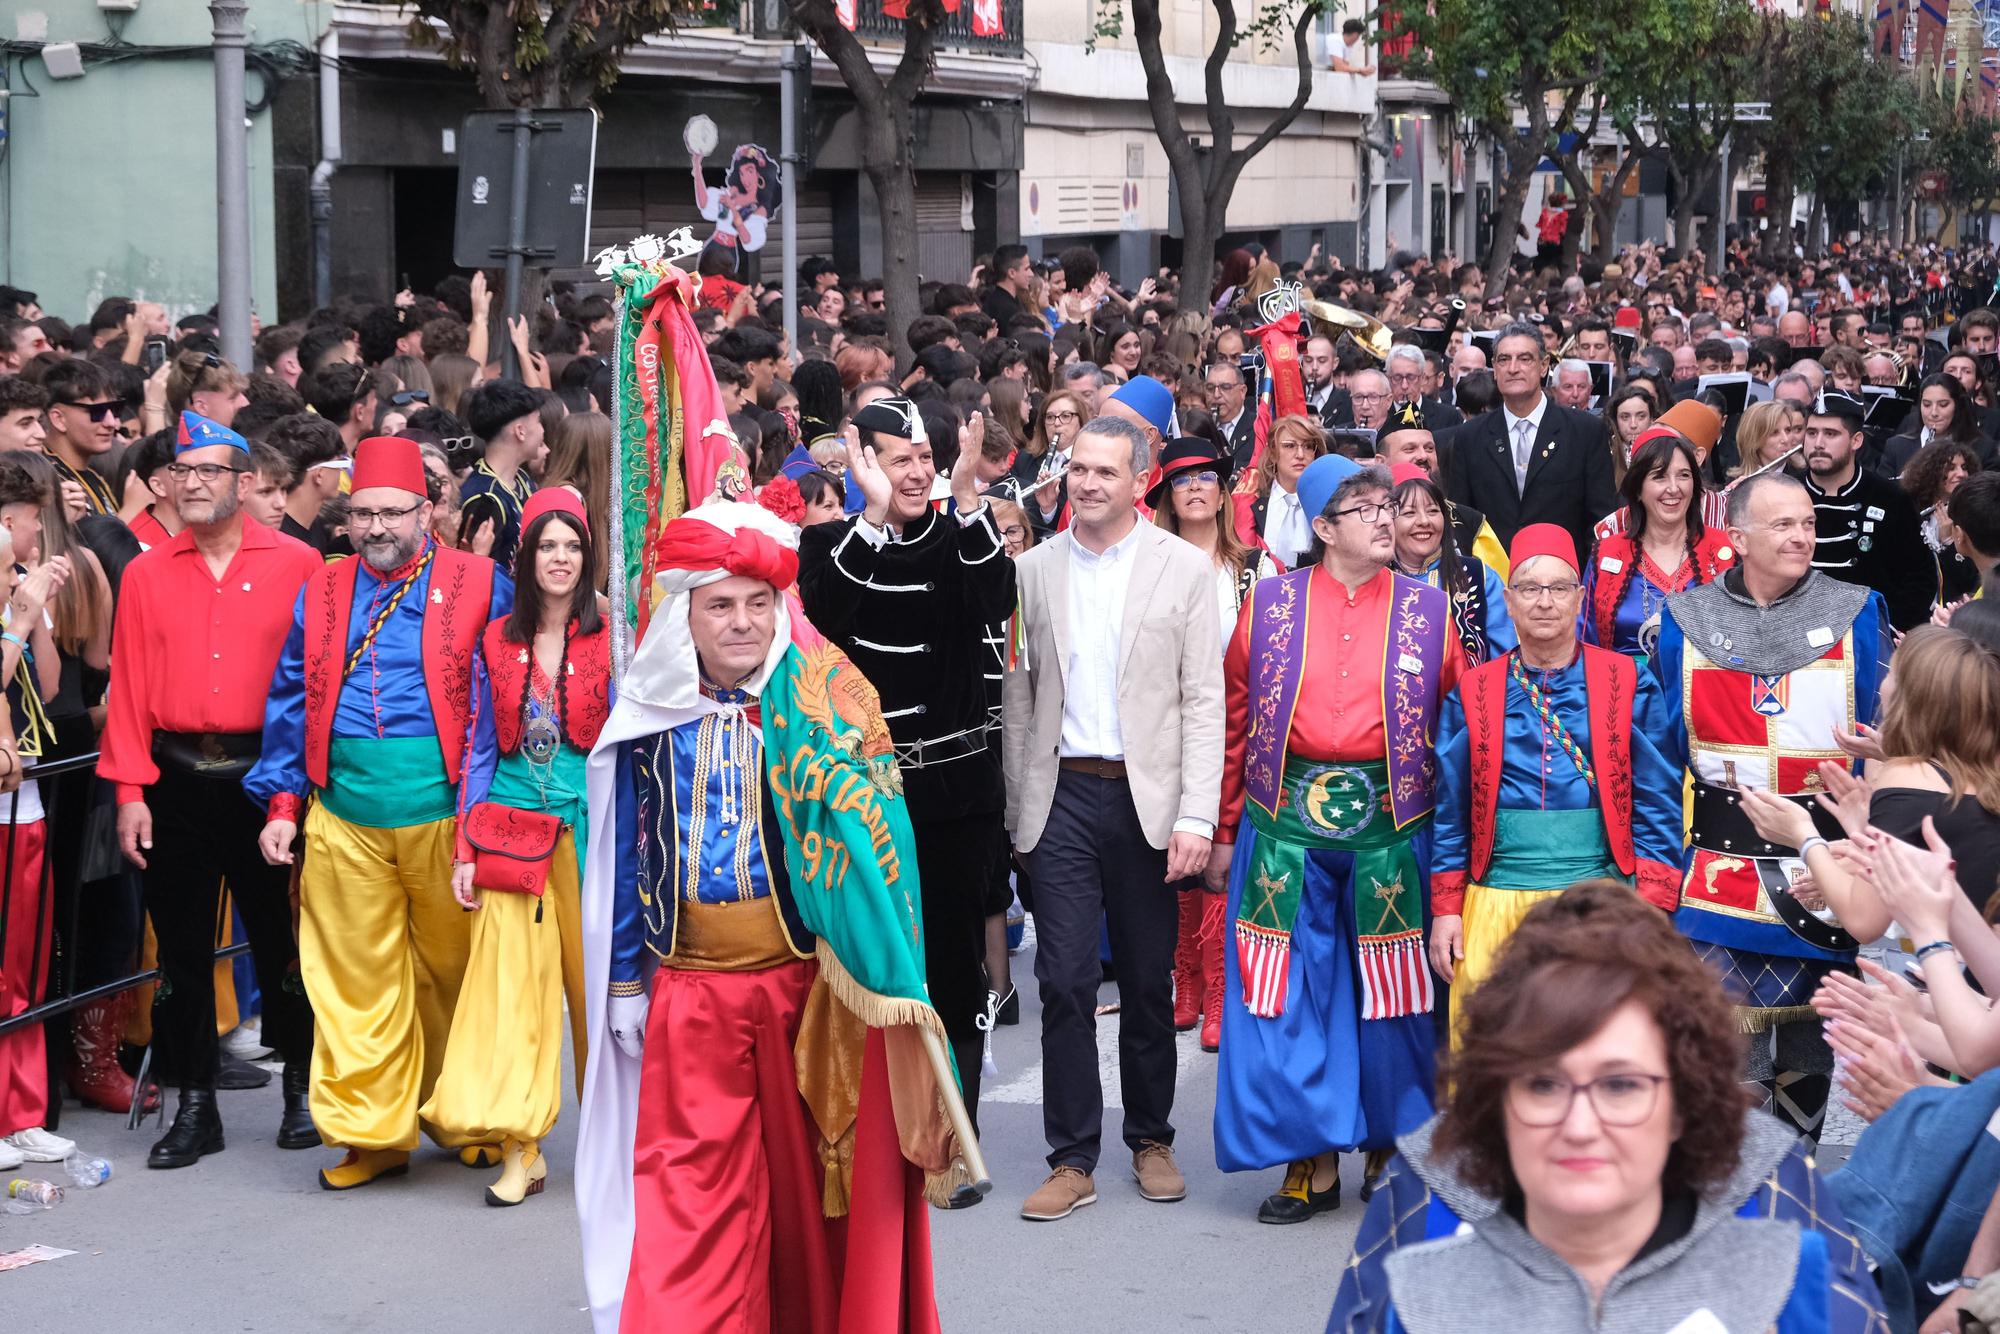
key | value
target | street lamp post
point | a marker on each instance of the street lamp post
(232, 182)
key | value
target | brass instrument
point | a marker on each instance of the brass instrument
(1369, 334)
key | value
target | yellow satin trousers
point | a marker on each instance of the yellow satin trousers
(382, 950)
(502, 1074)
(1490, 916)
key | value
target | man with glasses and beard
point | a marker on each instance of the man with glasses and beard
(83, 423)
(204, 614)
(367, 716)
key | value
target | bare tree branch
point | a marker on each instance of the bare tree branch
(1301, 44)
(817, 20)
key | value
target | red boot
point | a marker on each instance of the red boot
(1214, 931)
(1187, 963)
(96, 1078)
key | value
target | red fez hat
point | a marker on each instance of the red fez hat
(1655, 432)
(1628, 317)
(555, 500)
(389, 460)
(1543, 539)
(1408, 472)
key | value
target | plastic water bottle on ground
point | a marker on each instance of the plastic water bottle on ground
(27, 1197)
(87, 1172)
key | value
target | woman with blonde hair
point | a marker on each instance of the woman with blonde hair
(580, 459)
(1765, 432)
(1266, 510)
(452, 377)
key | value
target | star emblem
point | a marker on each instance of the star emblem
(437, 596)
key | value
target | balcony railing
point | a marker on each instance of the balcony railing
(872, 25)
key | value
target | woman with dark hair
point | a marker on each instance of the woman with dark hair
(1627, 413)
(1427, 550)
(1928, 480)
(1119, 349)
(1236, 266)
(1944, 410)
(541, 690)
(1665, 547)
(824, 496)
(1040, 353)
(817, 387)
(1596, 1163)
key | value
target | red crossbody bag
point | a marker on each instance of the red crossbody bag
(511, 848)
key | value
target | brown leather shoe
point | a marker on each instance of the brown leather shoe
(1159, 1179)
(1067, 1190)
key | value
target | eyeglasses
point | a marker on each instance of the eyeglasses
(1367, 511)
(402, 398)
(106, 411)
(208, 472)
(1366, 397)
(1061, 417)
(1542, 1101)
(387, 518)
(1555, 592)
(1183, 480)
(1013, 532)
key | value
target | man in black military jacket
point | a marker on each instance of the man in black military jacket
(1867, 531)
(909, 593)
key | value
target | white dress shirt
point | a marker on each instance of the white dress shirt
(1286, 532)
(1096, 611)
(1521, 442)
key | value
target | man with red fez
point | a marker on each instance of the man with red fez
(1552, 768)
(1334, 678)
(750, 922)
(367, 717)
(197, 636)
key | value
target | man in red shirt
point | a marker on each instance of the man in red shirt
(201, 621)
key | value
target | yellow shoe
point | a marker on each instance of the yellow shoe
(480, 1155)
(524, 1172)
(362, 1166)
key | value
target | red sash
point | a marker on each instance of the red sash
(584, 704)
(455, 611)
(1610, 680)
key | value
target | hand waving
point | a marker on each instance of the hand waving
(866, 473)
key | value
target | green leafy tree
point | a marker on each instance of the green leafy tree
(544, 55)
(1961, 149)
(1690, 94)
(1540, 56)
(1205, 182)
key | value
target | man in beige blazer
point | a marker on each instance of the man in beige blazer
(1113, 751)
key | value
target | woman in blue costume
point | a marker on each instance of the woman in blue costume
(1664, 548)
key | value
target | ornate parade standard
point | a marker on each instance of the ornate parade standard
(671, 443)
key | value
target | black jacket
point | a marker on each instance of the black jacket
(1242, 440)
(1869, 534)
(1569, 474)
(913, 615)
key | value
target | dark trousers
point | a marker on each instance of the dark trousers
(955, 866)
(1093, 864)
(204, 833)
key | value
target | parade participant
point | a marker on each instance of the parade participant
(1550, 771)
(1762, 668)
(506, 416)
(1594, 1166)
(1334, 676)
(1187, 502)
(1699, 426)
(1265, 505)
(1113, 749)
(1427, 549)
(733, 1105)
(540, 693)
(1663, 547)
(183, 725)
(368, 714)
(1867, 530)
(1406, 437)
(908, 594)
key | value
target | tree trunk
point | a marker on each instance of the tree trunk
(1582, 207)
(885, 157)
(1521, 162)
(1780, 191)
(1691, 183)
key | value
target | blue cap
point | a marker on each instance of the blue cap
(1320, 480)
(797, 463)
(1151, 400)
(199, 432)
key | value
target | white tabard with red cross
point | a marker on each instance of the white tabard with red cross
(1751, 731)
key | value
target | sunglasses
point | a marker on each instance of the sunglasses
(106, 411)
(402, 398)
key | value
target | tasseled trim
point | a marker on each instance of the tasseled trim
(836, 1162)
(870, 1007)
(1750, 1019)
(938, 1186)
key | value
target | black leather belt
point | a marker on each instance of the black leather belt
(1720, 824)
(207, 754)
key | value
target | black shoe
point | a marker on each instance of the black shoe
(1371, 1172)
(233, 1074)
(1298, 1201)
(296, 1129)
(1010, 1008)
(963, 1197)
(196, 1131)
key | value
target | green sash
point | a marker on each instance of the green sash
(1549, 850)
(1343, 807)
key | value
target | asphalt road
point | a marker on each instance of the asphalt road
(246, 1241)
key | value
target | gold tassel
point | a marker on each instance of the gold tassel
(1751, 1019)
(837, 1163)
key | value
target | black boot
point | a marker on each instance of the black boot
(296, 1130)
(197, 1130)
